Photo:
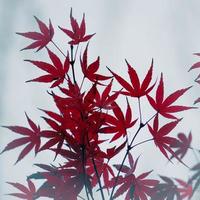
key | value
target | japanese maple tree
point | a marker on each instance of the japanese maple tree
(83, 118)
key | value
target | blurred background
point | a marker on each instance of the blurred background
(138, 30)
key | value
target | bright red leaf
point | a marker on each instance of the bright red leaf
(90, 70)
(78, 32)
(164, 106)
(118, 124)
(31, 138)
(56, 71)
(161, 138)
(40, 39)
(135, 89)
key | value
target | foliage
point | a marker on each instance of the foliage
(76, 130)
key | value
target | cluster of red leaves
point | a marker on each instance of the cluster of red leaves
(76, 130)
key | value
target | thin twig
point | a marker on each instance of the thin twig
(141, 143)
(84, 171)
(96, 172)
(140, 110)
(127, 152)
(72, 61)
(58, 48)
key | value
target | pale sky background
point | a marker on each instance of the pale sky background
(138, 30)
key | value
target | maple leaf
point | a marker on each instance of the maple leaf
(135, 89)
(31, 138)
(164, 106)
(160, 136)
(56, 71)
(55, 136)
(90, 70)
(28, 193)
(185, 190)
(111, 152)
(166, 191)
(118, 124)
(104, 170)
(77, 34)
(40, 39)
(101, 101)
(136, 187)
(106, 100)
(181, 145)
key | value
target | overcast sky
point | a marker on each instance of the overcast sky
(138, 30)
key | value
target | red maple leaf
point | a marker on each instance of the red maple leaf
(28, 193)
(41, 39)
(57, 135)
(118, 124)
(31, 138)
(182, 145)
(161, 138)
(90, 70)
(164, 106)
(111, 152)
(135, 89)
(77, 34)
(135, 187)
(185, 190)
(56, 71)
(101, 101)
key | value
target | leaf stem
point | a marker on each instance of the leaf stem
(84, 171)
(58, 48)
(98, 177)
(142, 143)
(80, 197)
(149, 119)
(127, 152)
(140, 110)
(119, 171)
(96, 172)
(82, 82)
(72, 61)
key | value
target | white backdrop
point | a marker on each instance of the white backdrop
(138, 30)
